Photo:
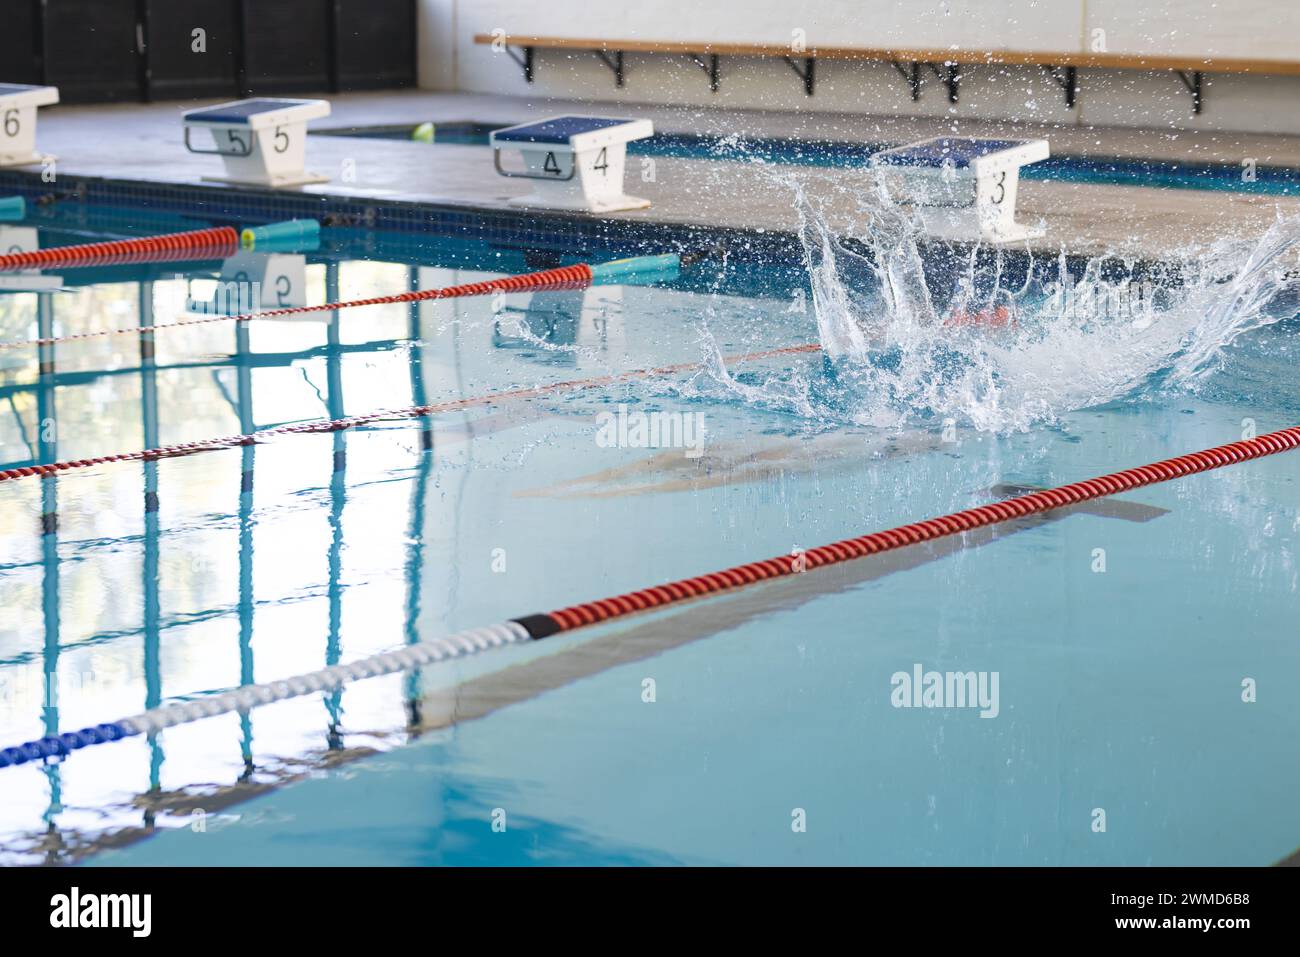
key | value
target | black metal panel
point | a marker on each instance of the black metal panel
(90, 50)
(183, 65)
(288, 45)
(375, 43)
(20, 41)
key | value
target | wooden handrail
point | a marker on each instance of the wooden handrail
(1106, 61)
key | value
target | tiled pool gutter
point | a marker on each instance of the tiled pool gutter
(544, 238)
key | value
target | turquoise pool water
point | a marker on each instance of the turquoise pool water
(760, 727)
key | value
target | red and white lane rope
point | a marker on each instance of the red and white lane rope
(366, 418)
(218, 242)
(538, 626)
(548, 280)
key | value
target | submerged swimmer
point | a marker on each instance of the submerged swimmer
(990, 317)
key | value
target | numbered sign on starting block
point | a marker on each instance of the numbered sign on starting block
(18, 105)
(262, 142)
(576, 161)
(963, 189)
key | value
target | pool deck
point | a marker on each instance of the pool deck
(136, 143)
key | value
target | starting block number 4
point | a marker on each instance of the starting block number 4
(18, 105)
(577, 162)
(261, 141)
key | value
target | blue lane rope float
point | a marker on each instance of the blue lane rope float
(539, 626)
(12, 209)
(638, 269)
(290, 234)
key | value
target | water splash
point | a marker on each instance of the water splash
(999, 348)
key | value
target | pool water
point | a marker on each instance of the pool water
(1115, 170)
(757, 727)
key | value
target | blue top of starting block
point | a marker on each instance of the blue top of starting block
(9, 88)
(241, 111)
(557, 130)
(958, 151)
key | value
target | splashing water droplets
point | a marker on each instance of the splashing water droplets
(915, 332)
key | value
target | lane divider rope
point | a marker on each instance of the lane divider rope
(219, 241)
(366, 418)
(539, 626)
(578, 276)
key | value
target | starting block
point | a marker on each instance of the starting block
(263, 142)
(963, 189)
(577, 161)
(18, 104)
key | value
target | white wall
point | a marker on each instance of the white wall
(1263, 29)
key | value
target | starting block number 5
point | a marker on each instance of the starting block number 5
(261, 141)
(279, 141)
(241, 142)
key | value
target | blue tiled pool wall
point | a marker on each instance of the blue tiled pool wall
(756, 263)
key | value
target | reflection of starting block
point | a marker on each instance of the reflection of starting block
(558, 327)
(251, 282)
(262, 142)
(23, 239)
(577, 161)
(18, 122)
(963, 189)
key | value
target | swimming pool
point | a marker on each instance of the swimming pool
(1115, 646)
(1117, 170)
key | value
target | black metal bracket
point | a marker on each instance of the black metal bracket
(1195, 86)
(710, 68)
(949, 76)
(1066, 78)
(615, 65)
(912, 74)
(807, 74)
(526, 61)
